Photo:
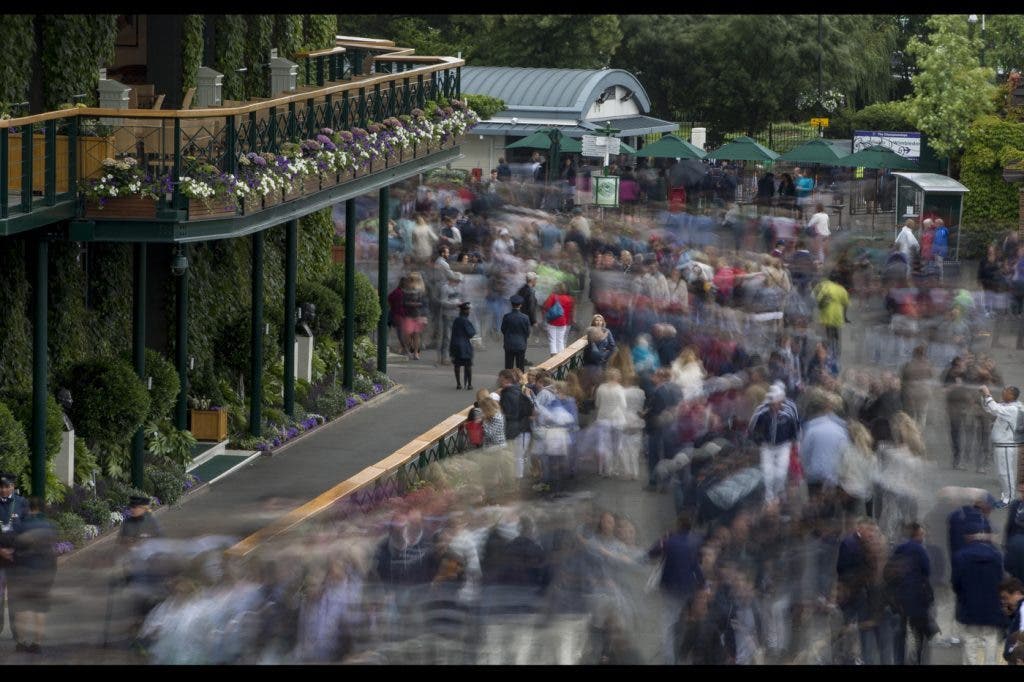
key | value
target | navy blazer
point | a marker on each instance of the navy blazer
(515, 327)
(977, 572)
(460, 348)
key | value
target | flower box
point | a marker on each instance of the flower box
(121, 207)
(218, 208)
(378, 164)
(272, 199)
(311, 184)
(293, 192)
(209, 425)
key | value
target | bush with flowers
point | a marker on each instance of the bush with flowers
(329, 152)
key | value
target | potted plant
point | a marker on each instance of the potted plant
(208, 422)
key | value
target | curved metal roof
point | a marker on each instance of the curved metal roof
(549, 89)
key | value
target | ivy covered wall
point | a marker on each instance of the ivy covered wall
(73, 48)
(17, 35)
(191, 50)
(229, 51)
(991, 207)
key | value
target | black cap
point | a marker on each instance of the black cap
(138, 501)
(8, 479)
(517, 300)
(464, 305)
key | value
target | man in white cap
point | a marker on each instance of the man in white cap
(775, 426)
(503, 244)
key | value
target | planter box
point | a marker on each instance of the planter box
(293, 193)
(272, 199)
(378, 165)
(122, 207)
(91, 152)
(311, 185)
(210, 425)
(338, 254)
(199, 211)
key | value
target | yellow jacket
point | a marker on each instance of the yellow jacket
(832, 301)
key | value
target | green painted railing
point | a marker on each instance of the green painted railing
(45, 159)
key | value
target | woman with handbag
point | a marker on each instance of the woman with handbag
(558, 314)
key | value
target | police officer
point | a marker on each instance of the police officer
(13, 509)
(140, 523)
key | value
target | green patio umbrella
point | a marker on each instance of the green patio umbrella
(538, 140)
(672, 147)
(744, 149)
(878, 156)
(571, 145)
(626, 149)
(813, 151)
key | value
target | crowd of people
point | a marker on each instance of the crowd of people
(715, 371)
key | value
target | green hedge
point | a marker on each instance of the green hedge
(70, 528)
(17, 35)
(14, 452)
(191, 50)
(259, 33)
(73, 46)
(485, 106)
(164, 394)
(15, 329)
(164, 484)
(110, 401)
(992, 202)
(367, 306)
(330, 307)
(229, 53)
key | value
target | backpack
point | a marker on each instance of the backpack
(554, 312)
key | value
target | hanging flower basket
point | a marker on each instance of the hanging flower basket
(121, 208)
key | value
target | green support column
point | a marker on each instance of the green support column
(181, 342)
(350, 292)
(383, 217)
(39, 367)
(290, 272)
(256, 354)
(139, 354)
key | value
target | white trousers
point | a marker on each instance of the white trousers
(521, 445)
(981, 645)
(556, 338)
(1006, 466)
(775, 467)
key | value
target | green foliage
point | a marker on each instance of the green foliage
(880, 116)
(15, 330)
(367, 306)
(550, 40)
(951, 89)
(110, 401)
(95, 511)
(485, 106)
(319, 30)
(316, 234)
(326, 356)
(288, 34)
(259, 32)
(163, 440)
(229, 53)
(118, 493)
(364, 355)
(86, 464)
(991, 207)
(331, 402)
(70, 528)
(17, 35)
(164, 394)
(73, 46)
(20, 404)
(166, 485)
(111, 266)
(330, 308)
(68, 337)
(14, 451)
(233, 350)
(191, 50)
(362, 383)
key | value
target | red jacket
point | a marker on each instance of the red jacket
(566, 301)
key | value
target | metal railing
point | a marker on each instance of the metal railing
(397, 473)
(46, 158)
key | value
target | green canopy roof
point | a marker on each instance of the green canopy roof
(542, 140)
(626, 149)
(744, 149)
(878, 156)
(813, 151)
(672, 147)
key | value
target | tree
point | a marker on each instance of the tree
(951, 89)
(1004, 41)
(565, 41)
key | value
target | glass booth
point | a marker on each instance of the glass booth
(931, 195)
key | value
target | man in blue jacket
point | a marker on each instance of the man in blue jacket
(775, 426)
(1011, 596)
(515, 328)
(977, 574)
(681, 575)
(907, 577)
(13, 510)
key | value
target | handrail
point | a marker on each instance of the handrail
(442, 63)
(390, 465)
(326, 52)
(353, 41)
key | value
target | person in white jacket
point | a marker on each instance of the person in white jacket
(1004, 445)
(906, 242)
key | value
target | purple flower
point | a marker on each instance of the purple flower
(292, 432)
(326, 131)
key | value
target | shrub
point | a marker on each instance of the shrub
(70, 528)
(164, 484)
(164, 440)
(364, 355)
(20, 403)
(485, 106)
(86, 463)
(14, 452)
(95, 511)
(330, 307)
(110, 402)
(367, 306)
(117, 493)
(166, 385)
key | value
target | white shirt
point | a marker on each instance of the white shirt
(906, 241)
(1006, 420)
(819, 221)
